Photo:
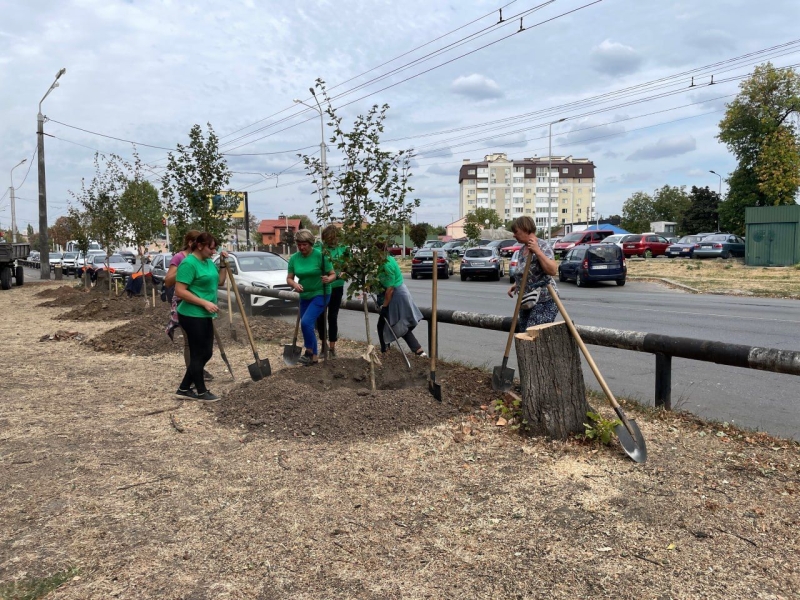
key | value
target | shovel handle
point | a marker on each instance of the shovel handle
(434, 313)
(590, 360)
(228, 294)
(517, 305)
(241, 311)
(296, 328)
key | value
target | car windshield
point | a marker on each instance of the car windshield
(97, 259)
(479, 253)
(55, 255)
(451, 245)
(71, 255)
(716, 238)
(423, 253)
(573, 237)
(267, 262)
(116, 258)
(613, 239)
(599, 253)
(690, 239)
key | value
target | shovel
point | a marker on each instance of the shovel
(222, 349)
(628, 433)
(234, 335)
(394, 335)
(260, 368)
(502, 376)
(292, 353)
(433, 387)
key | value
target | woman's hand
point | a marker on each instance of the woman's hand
(326, 279)
(224, 254)
(533, 244)
(511, 290)
(297, 287)
(211, 307)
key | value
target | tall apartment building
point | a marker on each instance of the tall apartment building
(522, 187)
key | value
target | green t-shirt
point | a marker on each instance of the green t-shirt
(335, 255)
(202, 279)
(309, 271)
(390, 275)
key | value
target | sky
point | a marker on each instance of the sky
(459, 82)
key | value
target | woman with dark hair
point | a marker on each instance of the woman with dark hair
(335, 251)
(196, 284)
(314, 272)
(537, 306)
(398, 309)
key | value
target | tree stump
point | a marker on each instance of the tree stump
(553, 392)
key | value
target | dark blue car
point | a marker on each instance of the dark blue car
(684, 247)
(588, 263)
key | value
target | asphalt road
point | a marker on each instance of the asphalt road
(754, 399)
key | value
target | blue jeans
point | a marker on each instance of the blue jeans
(310, 310)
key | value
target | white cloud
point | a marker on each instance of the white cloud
(665, 147)
(477, 87)
(613, 58)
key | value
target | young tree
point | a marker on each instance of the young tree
(670, 203)
(476, 222)
(195, 186)
(418, 234)
(305, 222)
(60, 232)
(703, 211)
(79, 224)
(760, 132)
(372, 185)
(637, 213)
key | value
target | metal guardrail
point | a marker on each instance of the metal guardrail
(663, 346)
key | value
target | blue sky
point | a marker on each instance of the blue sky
(148, 70)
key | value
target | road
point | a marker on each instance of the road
(745, 397)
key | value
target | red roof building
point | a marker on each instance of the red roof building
(273, 230)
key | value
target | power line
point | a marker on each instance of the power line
(30, 164)
(112, 137)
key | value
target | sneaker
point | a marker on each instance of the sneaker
(332, 352)
(422, 354)
(207, 397)
(306, 360)
(207, 376)
(186, 393)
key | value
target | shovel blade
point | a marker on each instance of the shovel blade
(292, 354)
(634, 446)
(502, 379)
(259, 370)
(434, 388)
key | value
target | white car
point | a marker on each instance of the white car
(260, 269)
(616, 239)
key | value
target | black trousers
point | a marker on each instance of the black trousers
(333, 315)
(409, 337)
(199, 332)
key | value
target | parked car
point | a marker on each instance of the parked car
(503, 246)
(617, 239)
(588, 263)
(128, 256)
(470, 244)
(398, 250)
(514, 266)
(433, 244)
(482, 261)
(68, 262)
(685, 246)
(117, 266)
(82, 260)
(577, 238)
(55, 260)
(722, 245)
(645, 245)
(260, 269)
(452, 247)
(422, 264)
(159, 265)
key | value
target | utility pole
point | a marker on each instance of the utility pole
(322, 152)
(44, 250)
(719, 195)
(13, 204)
(246, 223)
(549, 176)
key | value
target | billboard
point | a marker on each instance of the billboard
(238, 212)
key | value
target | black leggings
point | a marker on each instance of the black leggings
(199, 332)
(409, 337)
(334, 304)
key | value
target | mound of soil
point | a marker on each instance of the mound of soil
(333, 400)
(104, 308)
(66, 295)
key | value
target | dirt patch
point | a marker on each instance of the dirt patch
(103, 470)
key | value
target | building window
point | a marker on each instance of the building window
(565, 170)
(471, 172)
(528, 171)
(471, 201)
(528, 201)
(579, 211)
(517, 190)
(541, 190)
(541, 171)
(563, 211)
(518, 179)
(580, 171)
(528, 190)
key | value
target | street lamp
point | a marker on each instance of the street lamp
(719, 195)
(13, 204)
(549, 175)
(323, 162)
(44, 251)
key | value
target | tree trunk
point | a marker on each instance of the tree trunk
(369, 345)
(553, 392)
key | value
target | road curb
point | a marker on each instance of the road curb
(668, 282)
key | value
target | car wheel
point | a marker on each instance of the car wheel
(648, 253)
(496, 276)
(446, 274)
(620, 282)
(561, 276)
(413, 275)
(579, 281)
(19, 276)
(463, 277)
(725, 254)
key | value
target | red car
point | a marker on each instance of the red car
(576, 238)
(645, 245)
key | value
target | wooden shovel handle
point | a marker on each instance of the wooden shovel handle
(228, 294)
(433, 310)
(518, 303)
(241, 310)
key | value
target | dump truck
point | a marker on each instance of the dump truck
(11, 256)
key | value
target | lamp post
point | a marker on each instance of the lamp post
(44, 251)
(323, 160)
(549, 175)
(719, 195)
(13, 204)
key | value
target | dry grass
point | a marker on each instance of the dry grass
(95, 476)
(718, 276)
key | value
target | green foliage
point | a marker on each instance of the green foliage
(195, 186)
(510, 410)
(418, 234)
(760, 132)
(702, 213)
(638, 212)
(476, 222)
(372, 185)
(60, 231)
(670, 203)
(29, 230)
(306, 222)
(600, 429)
(140, 208)
(33, 589)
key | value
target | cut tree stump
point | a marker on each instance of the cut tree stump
(553, 392)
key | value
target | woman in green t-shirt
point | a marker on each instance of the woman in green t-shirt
(314, 272)
(196, 284)
(397, 307)
(335, 251)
